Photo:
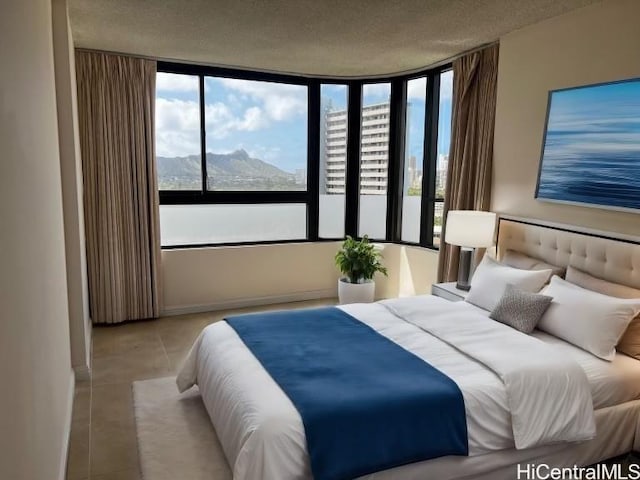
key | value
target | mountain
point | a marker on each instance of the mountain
(179, 173)
(240, 164)
(229, 171)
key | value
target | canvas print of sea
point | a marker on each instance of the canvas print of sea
(591, 152)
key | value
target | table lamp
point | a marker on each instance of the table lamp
(469, 229)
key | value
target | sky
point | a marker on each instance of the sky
(268, 120)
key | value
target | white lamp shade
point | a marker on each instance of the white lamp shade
(470, 228)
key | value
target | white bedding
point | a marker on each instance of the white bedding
(262, 433)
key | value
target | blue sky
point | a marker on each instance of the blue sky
(268, 120)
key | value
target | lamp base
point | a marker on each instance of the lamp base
(464, 268)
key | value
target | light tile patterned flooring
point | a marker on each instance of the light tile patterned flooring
(103, 442)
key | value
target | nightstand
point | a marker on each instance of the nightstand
(448, 291)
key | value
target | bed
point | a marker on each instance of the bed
(263, 435)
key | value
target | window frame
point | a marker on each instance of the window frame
(311, 197)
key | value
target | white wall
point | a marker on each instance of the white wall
(598, 43)
(201, 279)
(35, 362)
(71, 168)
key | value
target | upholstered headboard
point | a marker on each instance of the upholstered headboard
(608, 256)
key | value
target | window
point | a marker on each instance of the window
(256, 135)
(246, 157)
(212, 224)
(232, 158)
(333, 159)
(374, 160)
(444, 141)
(414, 159)
(178, 156)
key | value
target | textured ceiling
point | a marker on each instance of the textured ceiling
(342, 38)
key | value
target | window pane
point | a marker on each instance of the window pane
(333, 159)
(374, 156)
(413, 161)
(178, 132)
(256, 135)
(444, 131)
(438, 213)
(202, 224)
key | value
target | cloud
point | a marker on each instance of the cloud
(446, 85)
(171, 82)
(269, 154)
(279, 101)
(220, 121)
(177, 128)
(335, 88)
(254, 119)
(178, 125)
(375, 93)
(417, 88)
(244, 106)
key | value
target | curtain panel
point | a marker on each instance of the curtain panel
(116, 97)
(468, 187)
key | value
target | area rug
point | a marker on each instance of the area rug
(175, 437)
(176, 440)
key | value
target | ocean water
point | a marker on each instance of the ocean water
(592, 150)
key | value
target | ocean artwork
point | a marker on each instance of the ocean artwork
(591, 150)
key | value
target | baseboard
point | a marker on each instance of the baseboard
(67, 429)
(250, 302)
(82, 373)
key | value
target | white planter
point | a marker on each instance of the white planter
(356, 292)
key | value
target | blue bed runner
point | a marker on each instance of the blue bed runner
(366, 403)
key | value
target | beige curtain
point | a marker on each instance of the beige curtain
(475, 78)
(116, 98)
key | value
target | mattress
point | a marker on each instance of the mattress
(611, 383)
(246, 406)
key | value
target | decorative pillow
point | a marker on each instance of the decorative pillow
(587, 319)
(520, 310)
(525, 262)
(491, 278)
(630, 342)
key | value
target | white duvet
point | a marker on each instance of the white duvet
(518, 391)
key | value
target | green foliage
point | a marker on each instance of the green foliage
(359, 260)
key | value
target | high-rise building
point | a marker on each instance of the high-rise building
(441, 172)
(333, 150)
(413, 177)
(374, 150)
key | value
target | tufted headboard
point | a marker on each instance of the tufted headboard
(608, 256)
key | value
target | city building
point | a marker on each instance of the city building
(374, 149)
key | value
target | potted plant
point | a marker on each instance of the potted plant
(358, 261)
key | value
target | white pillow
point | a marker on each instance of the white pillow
(491, 278)
(587, 319)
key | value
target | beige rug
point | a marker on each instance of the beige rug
(175, 437)
(176, 440)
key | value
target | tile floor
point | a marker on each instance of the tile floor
(103, 442)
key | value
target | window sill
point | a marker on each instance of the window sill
(285, 242)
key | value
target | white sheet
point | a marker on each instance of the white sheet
(261, 431)
(612, 383)
(532, 381)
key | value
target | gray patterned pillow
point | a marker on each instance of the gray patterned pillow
(519, 309)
